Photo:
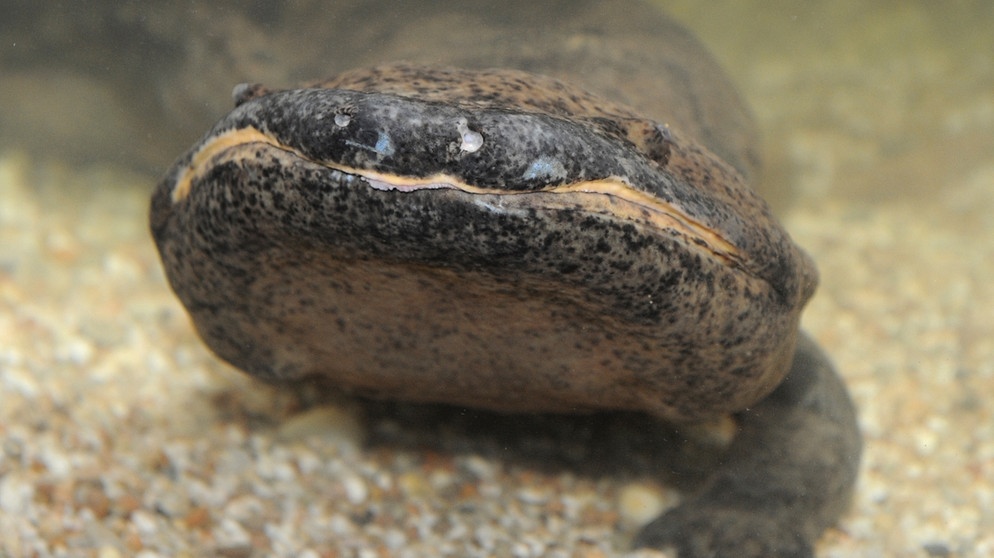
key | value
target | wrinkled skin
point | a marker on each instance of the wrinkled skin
(512, 242)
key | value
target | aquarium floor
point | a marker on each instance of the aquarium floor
(121, 435)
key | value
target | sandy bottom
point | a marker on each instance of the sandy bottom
(120, 433)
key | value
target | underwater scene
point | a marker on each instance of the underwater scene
(366, 278)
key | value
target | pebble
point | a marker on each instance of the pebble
(533, 496)
(640, 503)
(355, 489)
(172, 503)
(332, 424)
(247, 510)
(16, 495)
(145, 523)
(229, 534)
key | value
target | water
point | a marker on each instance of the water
(878, 139)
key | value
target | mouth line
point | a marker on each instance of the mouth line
(610, 195)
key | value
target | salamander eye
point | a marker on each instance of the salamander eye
(472, 140)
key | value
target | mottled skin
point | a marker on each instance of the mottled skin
(562, 261)
(583, 257)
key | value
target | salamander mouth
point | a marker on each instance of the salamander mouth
(608, 196)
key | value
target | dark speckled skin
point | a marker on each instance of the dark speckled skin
(695, 335)
(513, 292)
